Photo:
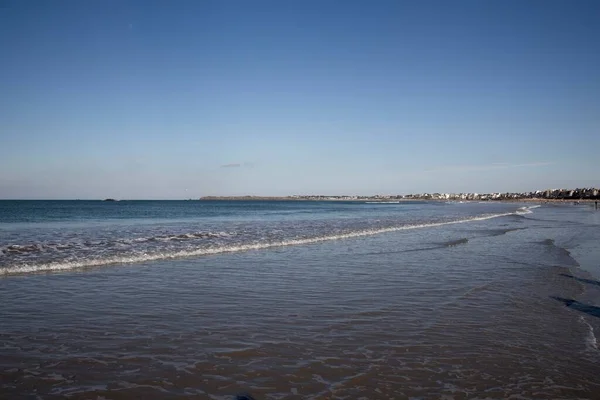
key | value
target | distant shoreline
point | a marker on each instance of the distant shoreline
(392, 200)
(551, 195)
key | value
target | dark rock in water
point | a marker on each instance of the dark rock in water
(110, 200)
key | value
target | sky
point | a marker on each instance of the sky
(181, 99)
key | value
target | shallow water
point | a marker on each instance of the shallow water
(502, 302)
(64, 235)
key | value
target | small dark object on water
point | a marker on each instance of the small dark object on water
(109, 200)
(244, 396)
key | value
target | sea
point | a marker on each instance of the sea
(299, 300)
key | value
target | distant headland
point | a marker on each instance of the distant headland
(538, 195)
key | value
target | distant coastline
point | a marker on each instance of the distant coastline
(551, 195)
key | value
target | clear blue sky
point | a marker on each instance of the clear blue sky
(180, 99)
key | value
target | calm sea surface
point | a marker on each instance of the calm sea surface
(298, 300)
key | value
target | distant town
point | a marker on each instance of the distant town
(551, 194)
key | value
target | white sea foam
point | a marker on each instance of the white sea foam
(182, 236)
(145, 257)
(526, 210)
(590, 340)
(40, 247)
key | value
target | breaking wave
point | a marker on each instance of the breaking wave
(526, 210)
(41, 247)
(209, 249)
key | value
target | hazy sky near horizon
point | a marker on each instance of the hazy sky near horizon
(181, 99)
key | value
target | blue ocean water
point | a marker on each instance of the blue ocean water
(60, 235)
(299, 300)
